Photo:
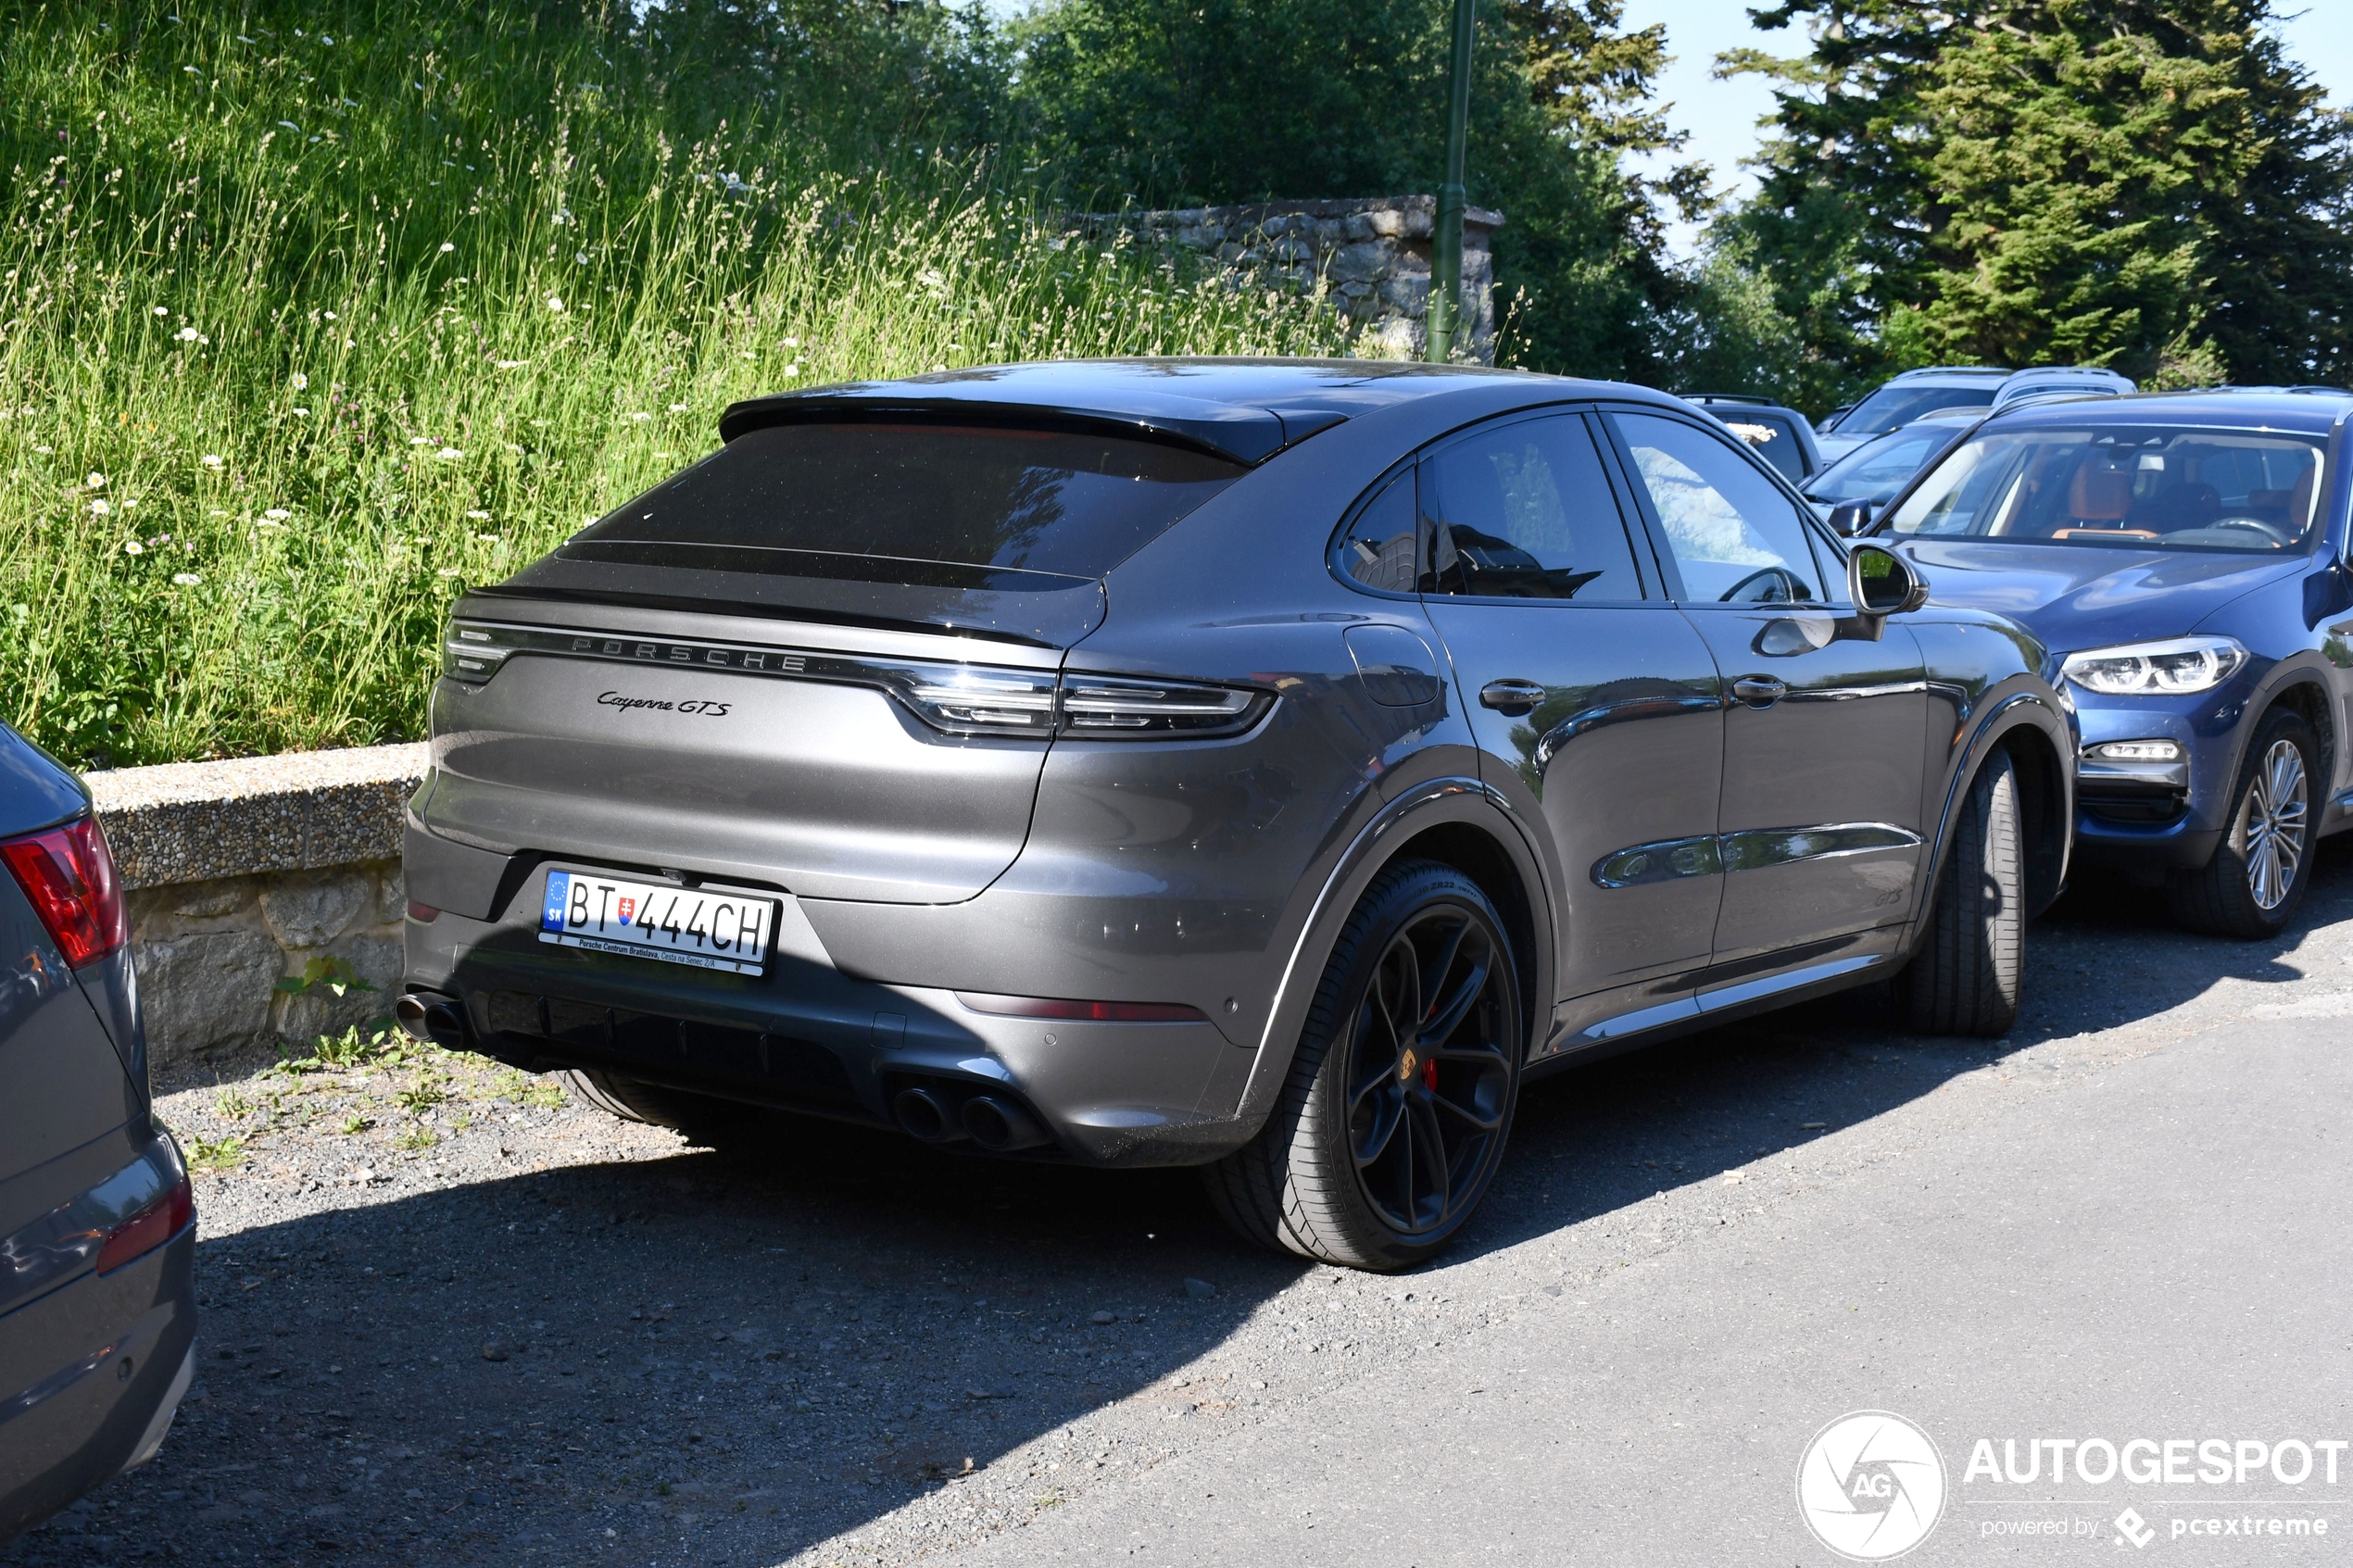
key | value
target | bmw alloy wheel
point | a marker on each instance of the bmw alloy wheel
(2276, 812)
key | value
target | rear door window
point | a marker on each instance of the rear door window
(898, 503)
(1382, 549)
(1524, 511)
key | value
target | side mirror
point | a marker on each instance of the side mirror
(1883, 584)
(1849, 518)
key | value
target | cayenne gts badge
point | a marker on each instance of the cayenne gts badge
(692, 705)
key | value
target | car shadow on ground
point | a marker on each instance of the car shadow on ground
(709, 1358)
(726, 1359)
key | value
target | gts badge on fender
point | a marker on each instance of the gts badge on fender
(708, 710)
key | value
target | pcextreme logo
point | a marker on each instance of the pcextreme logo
(1870, 1486)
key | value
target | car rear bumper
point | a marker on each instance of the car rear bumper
(810, 1038)
(90, 1377)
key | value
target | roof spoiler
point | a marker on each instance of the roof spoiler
(1242, 433)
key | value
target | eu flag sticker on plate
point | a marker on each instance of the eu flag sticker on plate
(552, 917)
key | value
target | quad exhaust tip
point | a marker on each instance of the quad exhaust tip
(427, 1017)
(1000, 1127)
(925, 1114)
(941, 1115)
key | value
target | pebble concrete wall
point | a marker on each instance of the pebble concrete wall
(1372, 254)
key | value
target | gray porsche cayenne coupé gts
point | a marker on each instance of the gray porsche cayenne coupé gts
(1259, 765)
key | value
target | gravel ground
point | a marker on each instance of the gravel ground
(491, 1326)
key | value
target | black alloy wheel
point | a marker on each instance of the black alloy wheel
(1400, 1098)
(2257, 878)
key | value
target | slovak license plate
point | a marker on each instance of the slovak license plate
(690, 925)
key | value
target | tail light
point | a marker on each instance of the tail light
(1092, 1012)
(971, 700)
(150, 1227)
(70, 877)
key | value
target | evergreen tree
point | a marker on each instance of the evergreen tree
(2145, 183)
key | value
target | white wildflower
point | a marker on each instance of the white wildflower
(513, 364)
(479, 517)
(300, 413)
(94, 482)
(446, 247)
(580, 258)
(639, 418)
(792, 369)
(449, 452)
(133, 547)
(301, 381)
(446, 572)
(487, 538)
(331, 315)
(187, 335)
(420, 441)
(210, 459)
(187, 580)
(163, 310)
(277, 514)
(555, 304)
(99, 508)
(677, 407)
(791, 343)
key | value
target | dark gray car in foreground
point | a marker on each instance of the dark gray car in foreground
(1259, 765)
(97, 1222)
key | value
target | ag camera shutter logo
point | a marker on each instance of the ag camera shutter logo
(1870, 1486)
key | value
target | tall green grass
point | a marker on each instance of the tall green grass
(310, 316)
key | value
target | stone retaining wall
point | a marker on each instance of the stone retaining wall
(243, 874)
(1372, 252)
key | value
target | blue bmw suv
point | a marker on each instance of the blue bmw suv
(2184, 556)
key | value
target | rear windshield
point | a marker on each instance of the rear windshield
(1892, 407)
(2137, 486)
(1878, 468)
(882, 502)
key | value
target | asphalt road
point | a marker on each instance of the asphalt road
(2124, 1221)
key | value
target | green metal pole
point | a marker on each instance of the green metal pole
(1446, 263)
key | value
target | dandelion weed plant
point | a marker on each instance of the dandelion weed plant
(312, 315)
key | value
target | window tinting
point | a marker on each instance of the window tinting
(852, 500)
(1523, 511)
(1736, 538)
(2128, 486)
(1378, 551)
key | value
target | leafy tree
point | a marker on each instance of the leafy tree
(1245, 100)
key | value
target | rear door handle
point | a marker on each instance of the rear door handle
(1759, 691)
(1511, 697)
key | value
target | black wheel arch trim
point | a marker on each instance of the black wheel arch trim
(2035, 710)
(1436, 802)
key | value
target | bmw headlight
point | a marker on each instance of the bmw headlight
(2168, 669)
